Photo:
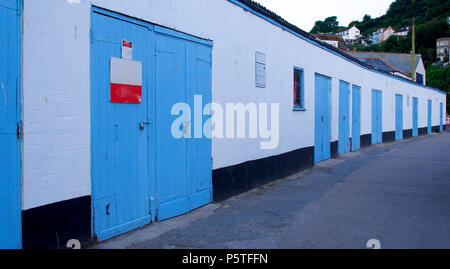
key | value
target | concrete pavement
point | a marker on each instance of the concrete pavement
(397, 193)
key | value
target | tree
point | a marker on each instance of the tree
(439, 78)
(329, 25)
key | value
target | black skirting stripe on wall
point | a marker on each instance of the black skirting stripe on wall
(407, 134)
(51, 226)
(388, 137)
(423, 131)
(334, 149)
(436, 129)
(233, 180)
(366, 140)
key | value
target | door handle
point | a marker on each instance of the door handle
(145, 123)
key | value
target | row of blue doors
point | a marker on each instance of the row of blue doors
(323, 118)
(140, 171)
(415, 112)
(10, 186)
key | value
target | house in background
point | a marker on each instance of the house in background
(443, 48)
(333, 40)
(374, 38)
(402, 31)
(385, 33)
(351, 33)
(399, 64)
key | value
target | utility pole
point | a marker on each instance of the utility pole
(413, 75)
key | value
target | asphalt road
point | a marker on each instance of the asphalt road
(397, 193)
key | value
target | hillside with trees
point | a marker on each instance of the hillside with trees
(431, 24)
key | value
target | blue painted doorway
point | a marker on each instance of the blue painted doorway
(184, 164)
(141, 170)
(322, 147)
(10, 107)
(398, 117)
(441, 123)
(356, 118)
(415, 116)
(120, 146)
(344, 118)
(430, 111)
(377, 117)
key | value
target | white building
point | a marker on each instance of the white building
(99, 84)
(385, 33)
(351, 33)
(402, 32)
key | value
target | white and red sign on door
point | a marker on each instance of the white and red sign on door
(126, 81)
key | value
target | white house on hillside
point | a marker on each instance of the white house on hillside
(351, 33)
(385, 33)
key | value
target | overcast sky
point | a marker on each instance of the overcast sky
(303, 13)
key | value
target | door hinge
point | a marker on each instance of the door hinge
(19, 130)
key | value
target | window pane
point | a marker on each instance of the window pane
(297, 89)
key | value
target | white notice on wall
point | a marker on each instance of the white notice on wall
(127, 50)
(260, 70)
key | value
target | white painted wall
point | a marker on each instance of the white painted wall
(332, 43)
(420, 68)
(56, 85)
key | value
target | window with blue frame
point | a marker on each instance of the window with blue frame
(299, 99)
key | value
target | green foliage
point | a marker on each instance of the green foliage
(426, 35)
(393, 44)
(401, 12)
(439, 78)
(329, 25)
(431, 24)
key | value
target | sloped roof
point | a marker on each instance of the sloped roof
(379, 64)
(341, 42)
(400, 61)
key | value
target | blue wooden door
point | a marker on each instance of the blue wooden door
(356, 118)
(430, 110)
(344, 118)
(415, 116)
(398, 117)
(322, 147)
(184, 165)
(377, 117)
(120, 146)
(441, 125)
(10, 187)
